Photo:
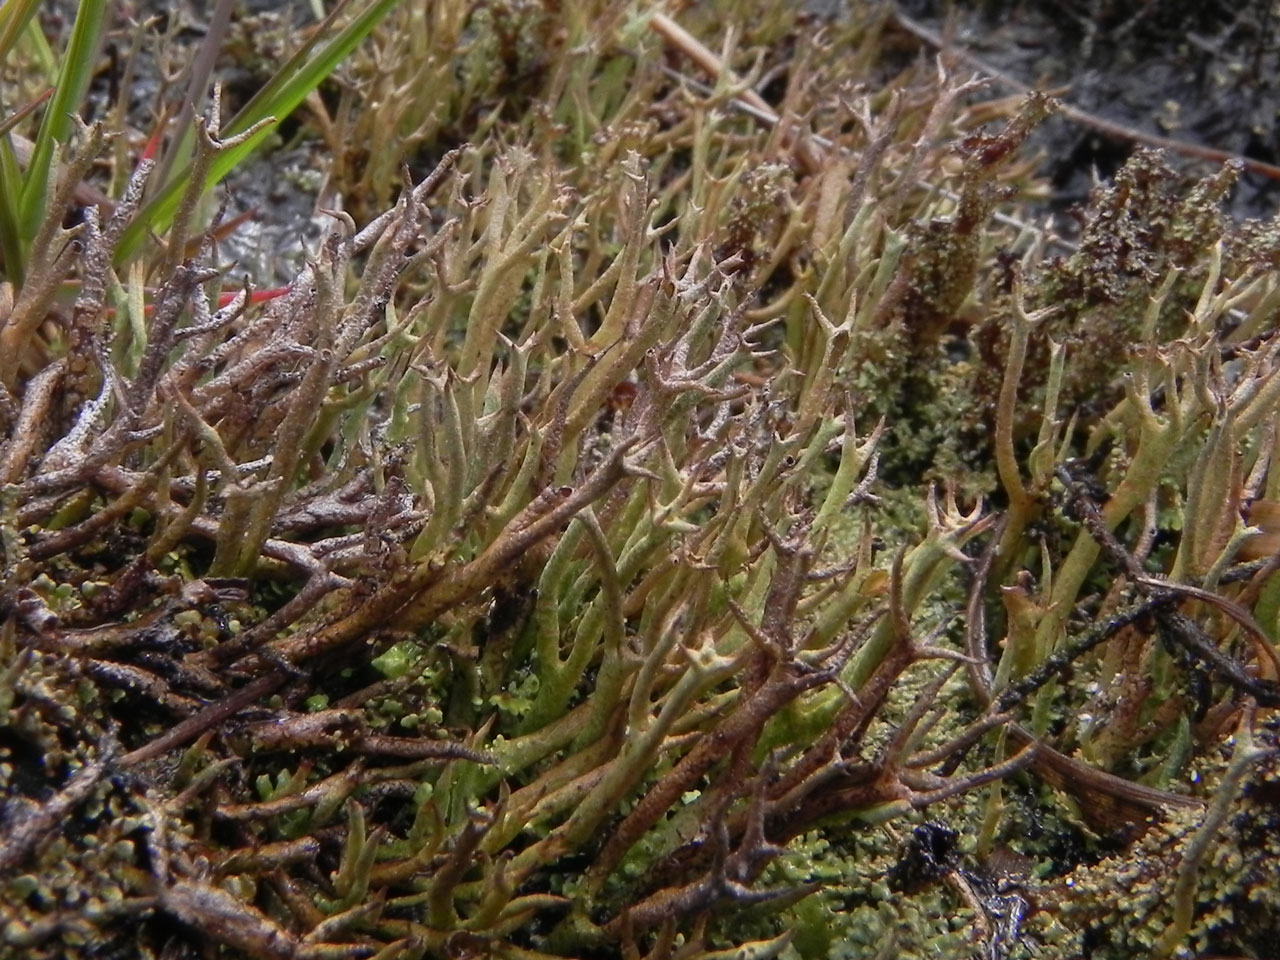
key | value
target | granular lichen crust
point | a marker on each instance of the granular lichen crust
(684, 507)
(1122, 905)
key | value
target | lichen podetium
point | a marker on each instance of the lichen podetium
(645, 527)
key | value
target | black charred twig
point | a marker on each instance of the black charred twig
(1176, 626)
(1123, 801)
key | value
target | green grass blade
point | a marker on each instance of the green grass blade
(44, 56)
(300, 67)
(73, 83)
(11, 244)
(279, 98)
(14, 17)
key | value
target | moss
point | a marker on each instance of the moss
(654, 535)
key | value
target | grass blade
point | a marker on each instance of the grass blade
(279, 98)
(73, 82)
(261, 104)
(11, 244)
(14, 17)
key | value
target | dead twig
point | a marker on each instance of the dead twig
(1083, 117)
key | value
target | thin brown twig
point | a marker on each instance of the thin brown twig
(1083, 117)
(807, 150)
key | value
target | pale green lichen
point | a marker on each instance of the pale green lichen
(655, 501)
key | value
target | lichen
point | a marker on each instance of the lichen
(650, 528)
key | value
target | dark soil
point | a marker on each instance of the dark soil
(1207, 73)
